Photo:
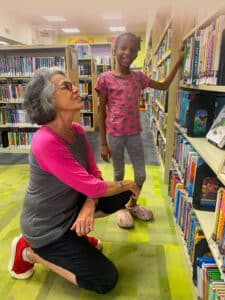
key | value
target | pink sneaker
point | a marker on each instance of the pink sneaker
(18, 267)
(94, 242)
(142, 213)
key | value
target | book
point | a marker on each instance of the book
(200, 115)
(216, 133)
(205, 188)
(221, 71)
(217, 212)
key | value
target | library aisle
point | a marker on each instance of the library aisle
(150, 258)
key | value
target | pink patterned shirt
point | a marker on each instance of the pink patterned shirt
(122, 92)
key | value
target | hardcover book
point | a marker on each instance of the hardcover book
(216, 133)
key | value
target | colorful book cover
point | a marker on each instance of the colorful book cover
(217, 212)
(216, 134)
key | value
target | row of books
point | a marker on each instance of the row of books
(87, 120)
(210, 284)
(162, 71)
(160, 118)
(13, 117)
(165, 45)
(85, 87)
(196, 242)
(159, 139)
(26, 65)
(204, 55)
(200, 182)
(16, 139)
(87, 104)
(11, 92)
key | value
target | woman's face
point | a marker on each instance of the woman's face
(67, 97)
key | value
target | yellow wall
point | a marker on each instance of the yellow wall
(138, 63)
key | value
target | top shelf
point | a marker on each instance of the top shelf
(216, 13)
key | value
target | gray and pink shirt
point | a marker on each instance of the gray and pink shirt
(122, 93)
(60, 173)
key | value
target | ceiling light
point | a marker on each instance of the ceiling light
(71, 30)
(4, 43)
(117, 28)
(54, 18)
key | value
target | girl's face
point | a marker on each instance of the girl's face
(67, 95)
(126, 51)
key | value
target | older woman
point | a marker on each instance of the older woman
(65, 191)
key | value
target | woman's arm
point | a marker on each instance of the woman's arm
(105, 152)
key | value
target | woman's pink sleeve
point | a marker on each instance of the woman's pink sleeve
(54, 157)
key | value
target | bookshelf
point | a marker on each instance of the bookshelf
(163, 114)
(162, 51)
(199, 77)
(87, 71)
(18, 62)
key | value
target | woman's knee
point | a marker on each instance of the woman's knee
(109, 280)
(101, 281)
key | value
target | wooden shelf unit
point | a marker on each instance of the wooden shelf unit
(20, 71)
(88, 77)
(165, 28)
(182, 28)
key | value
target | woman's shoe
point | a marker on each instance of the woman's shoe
(18, 267)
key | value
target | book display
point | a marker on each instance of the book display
(17, 64)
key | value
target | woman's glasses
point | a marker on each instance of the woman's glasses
(68, 85)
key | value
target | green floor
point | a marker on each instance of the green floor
(150, 259)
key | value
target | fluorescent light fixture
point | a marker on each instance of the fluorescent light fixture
(117, 28)
(54, 18)
(4, 43)
(71, 30)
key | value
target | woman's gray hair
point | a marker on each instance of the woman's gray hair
(38, 95)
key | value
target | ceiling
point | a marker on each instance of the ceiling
(90, 16)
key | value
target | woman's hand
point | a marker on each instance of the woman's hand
(132, 187)
(105, 153)
(85, 220)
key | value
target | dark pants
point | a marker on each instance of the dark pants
(93, 270)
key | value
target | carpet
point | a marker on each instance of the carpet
(150, 258)
(13, 158)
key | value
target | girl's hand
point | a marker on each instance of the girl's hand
(84, 222)
(105, 153)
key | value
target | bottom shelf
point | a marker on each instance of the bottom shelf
(15, 150)
(207, 221)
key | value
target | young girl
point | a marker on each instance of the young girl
(119, 93)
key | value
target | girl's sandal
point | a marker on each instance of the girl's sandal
(141, 212)
(124, 218)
